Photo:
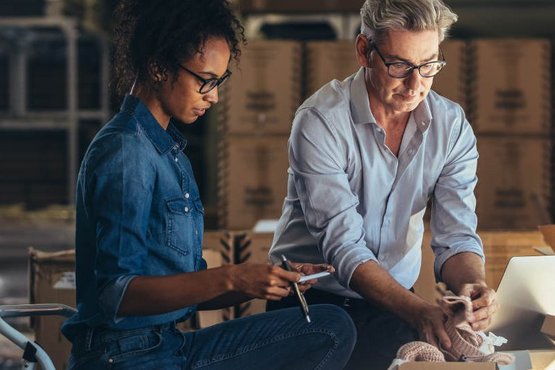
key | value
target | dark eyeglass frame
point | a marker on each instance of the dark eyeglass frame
(411, 67)
(208, 84)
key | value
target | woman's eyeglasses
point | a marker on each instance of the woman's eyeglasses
(208, 84)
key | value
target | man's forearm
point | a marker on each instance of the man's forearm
(463, 268)
(378, 287)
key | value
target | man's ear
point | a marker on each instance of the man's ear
(362, 50)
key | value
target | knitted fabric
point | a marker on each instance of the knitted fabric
(466, 344)
(420, 351)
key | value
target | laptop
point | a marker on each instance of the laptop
(526, 294)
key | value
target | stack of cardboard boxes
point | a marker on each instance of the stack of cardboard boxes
(452, 81)
(502, 84)
(258, 104)
(510, 110)
(328, 60)
(504, 87)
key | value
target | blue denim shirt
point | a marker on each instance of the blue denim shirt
(351, 200)
(138, 214)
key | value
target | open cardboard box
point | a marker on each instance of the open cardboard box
(525, 359)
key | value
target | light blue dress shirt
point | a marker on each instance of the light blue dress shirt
(351, 200)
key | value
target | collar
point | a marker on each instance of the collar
(360, 105)
(360, 102)
(163, 140)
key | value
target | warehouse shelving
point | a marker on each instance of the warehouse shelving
(20, 32)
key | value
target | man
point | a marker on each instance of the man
(366, 155)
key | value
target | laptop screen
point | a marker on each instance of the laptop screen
(526, 294)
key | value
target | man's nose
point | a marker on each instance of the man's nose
(413, 80)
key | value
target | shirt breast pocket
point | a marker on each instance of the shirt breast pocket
(184, 226)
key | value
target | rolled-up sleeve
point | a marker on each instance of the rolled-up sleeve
(454, 220)
(318, 160)
(121, 188)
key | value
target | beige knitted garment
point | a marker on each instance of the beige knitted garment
(467, 344)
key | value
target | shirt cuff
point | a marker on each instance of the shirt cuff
(445, 253)
(348, 261)
(111, 296)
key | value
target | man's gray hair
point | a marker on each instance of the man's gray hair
(380, 16)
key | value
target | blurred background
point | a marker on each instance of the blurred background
(56, 93)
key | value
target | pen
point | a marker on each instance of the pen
(300, 297)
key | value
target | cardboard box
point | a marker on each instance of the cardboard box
(52, 280)
(513, 190)
(542, 359)
(548, 327)
(328, 60)
(452, 81)
(264, 92)
(524, 360)
(510, 91)
(252, 180)
(252, 247)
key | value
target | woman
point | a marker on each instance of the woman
(140, 219)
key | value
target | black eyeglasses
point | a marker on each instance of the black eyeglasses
(404, 69)
(210, 83)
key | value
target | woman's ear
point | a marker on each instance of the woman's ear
(362, 46)
(156, 73)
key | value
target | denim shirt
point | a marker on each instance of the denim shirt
(138, 214)
(351, 200)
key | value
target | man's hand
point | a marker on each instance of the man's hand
(464, 275)
(429, 321)
(484, 304)
(309, 269)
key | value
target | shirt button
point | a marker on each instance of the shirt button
(186, 209)
(187, 195)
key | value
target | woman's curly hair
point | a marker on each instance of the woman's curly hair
(154, 36)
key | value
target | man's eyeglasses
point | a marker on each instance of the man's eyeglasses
(404, 69)
(210, 83)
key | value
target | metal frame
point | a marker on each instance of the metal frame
(32, 352)
(19, 118)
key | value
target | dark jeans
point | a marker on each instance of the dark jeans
(379, 333)
(273, 340)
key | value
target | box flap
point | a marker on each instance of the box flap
(548, 232)
(543, 359)
(58, 256)
(548, 327)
